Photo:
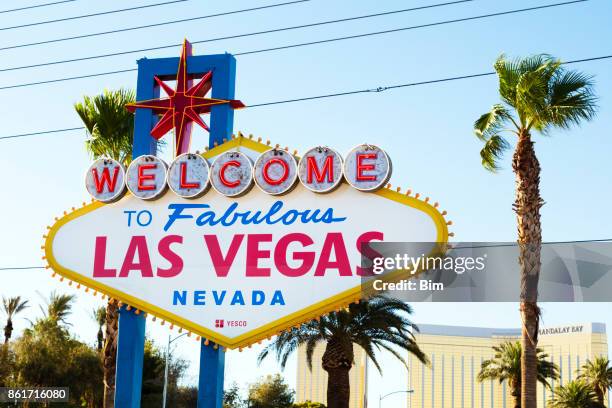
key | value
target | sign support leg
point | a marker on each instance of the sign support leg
(212, 371)
(130, 353)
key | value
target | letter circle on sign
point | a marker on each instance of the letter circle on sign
(231, 174)
(275, 172)
(188, 175)
(367, 167)
(105, 180)
(320, 169)
(146, 177)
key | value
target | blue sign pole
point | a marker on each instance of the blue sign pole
(212, 370)
(130, 352)
(130, 348)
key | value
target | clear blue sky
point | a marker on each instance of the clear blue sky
(427, 130)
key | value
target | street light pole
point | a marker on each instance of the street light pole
(170, 341)
(382, 397)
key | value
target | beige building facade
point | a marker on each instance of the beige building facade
(312, 385)
(456, 354)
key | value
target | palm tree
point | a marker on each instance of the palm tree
(506, 366)
(109, 124)
(375, 324)
(99, 315)
(11, 306)
(538, 94)
(59, 308)
(111, 130)
(598, 374)
(574, 394)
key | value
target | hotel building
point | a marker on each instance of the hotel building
(312, 385)
(456, 354)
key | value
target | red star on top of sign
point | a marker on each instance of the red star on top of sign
(184, 105)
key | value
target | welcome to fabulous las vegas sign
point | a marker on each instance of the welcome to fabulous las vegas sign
(241, 242)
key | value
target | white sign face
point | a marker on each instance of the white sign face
(235, 270)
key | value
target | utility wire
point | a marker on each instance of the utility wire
(214, 39)
(102, 13)
(36, 6)
(581, 241)
(295, 45)
(42, 133)
(121, 30)
(332, 95)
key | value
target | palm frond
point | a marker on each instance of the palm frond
(492, 122)
(493, 151)
(572, 99)
(380, 323)
(13, 306)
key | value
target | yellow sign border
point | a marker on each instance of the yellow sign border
(266, 331)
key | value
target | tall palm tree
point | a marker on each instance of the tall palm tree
(375, 324)
(538, 94)
(574, 394)
(11, 306)
(111, 130)
(598, 374)
(99, 315)
(506, 366)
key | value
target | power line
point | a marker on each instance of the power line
(395, 30)
(234, 36)
(138, 28)
(297, 45)
(36, 6)
(579, 241)
(103, 13)
(42, 132)
(337, 94)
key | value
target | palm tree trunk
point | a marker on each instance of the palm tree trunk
(600, 396)
(8, 330)
(527, 207)
(338, 388)
(110, 353)
(515, 388)
(337, 360)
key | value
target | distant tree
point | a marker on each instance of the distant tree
(186, 397)
(270, 392)
(59, 307)
(47, 355)
(309, 404)
(506, 366)
(7, 362)
(231, 397)
(153, 377)
(574, 394)
(11, 307)
(99, 316)
(598, 374)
